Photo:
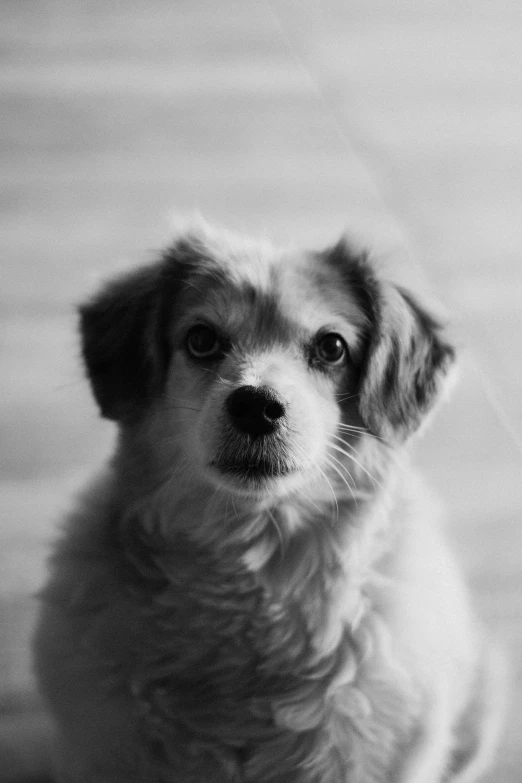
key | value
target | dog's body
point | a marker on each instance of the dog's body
(256, 589)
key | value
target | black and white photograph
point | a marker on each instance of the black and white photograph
(260, 391)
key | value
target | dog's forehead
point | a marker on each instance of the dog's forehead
(275, 294)
(315, 293)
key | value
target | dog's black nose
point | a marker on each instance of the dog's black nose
(255, 410)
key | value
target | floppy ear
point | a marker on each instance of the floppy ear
(406, 364)
(406, 358)
(121, 333)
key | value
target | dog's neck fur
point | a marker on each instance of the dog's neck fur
(321, 557)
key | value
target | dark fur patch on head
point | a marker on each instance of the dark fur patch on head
(119, 342)
(267, 323)
(405, 356)
(124, 330)
(358, 274)
(188, 255)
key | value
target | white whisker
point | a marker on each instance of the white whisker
(350, 428)
(344, 397)
(308, 499)
(278, 531)
(356, 461)
(343, 479)
(343, 467)
(321, 471)
(323, 475)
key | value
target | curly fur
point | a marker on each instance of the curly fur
(310, 628)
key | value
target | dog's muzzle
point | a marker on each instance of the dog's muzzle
(255, 449)
(255, 410)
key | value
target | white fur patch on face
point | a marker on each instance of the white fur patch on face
(295, 449)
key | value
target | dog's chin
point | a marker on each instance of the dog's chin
(252, 478)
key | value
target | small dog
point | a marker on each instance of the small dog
(256, 589)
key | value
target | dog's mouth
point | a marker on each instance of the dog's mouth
(254, 469)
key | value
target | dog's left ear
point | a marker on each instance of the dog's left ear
(407, 363)
(407, 358)
(121, 342)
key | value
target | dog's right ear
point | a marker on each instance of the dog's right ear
(121, 333)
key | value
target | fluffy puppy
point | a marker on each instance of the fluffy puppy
(255, 589)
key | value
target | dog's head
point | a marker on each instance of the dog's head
(259, 371)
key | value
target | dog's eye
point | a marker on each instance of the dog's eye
(330, 348)
(202, 342)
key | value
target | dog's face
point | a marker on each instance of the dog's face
(257, 371)
(263, 349)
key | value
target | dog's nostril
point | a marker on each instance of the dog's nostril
(274, 410)
(239, 402)
(255, 409)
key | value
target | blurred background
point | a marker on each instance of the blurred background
(399, 122)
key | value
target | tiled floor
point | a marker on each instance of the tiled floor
(399, 121)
